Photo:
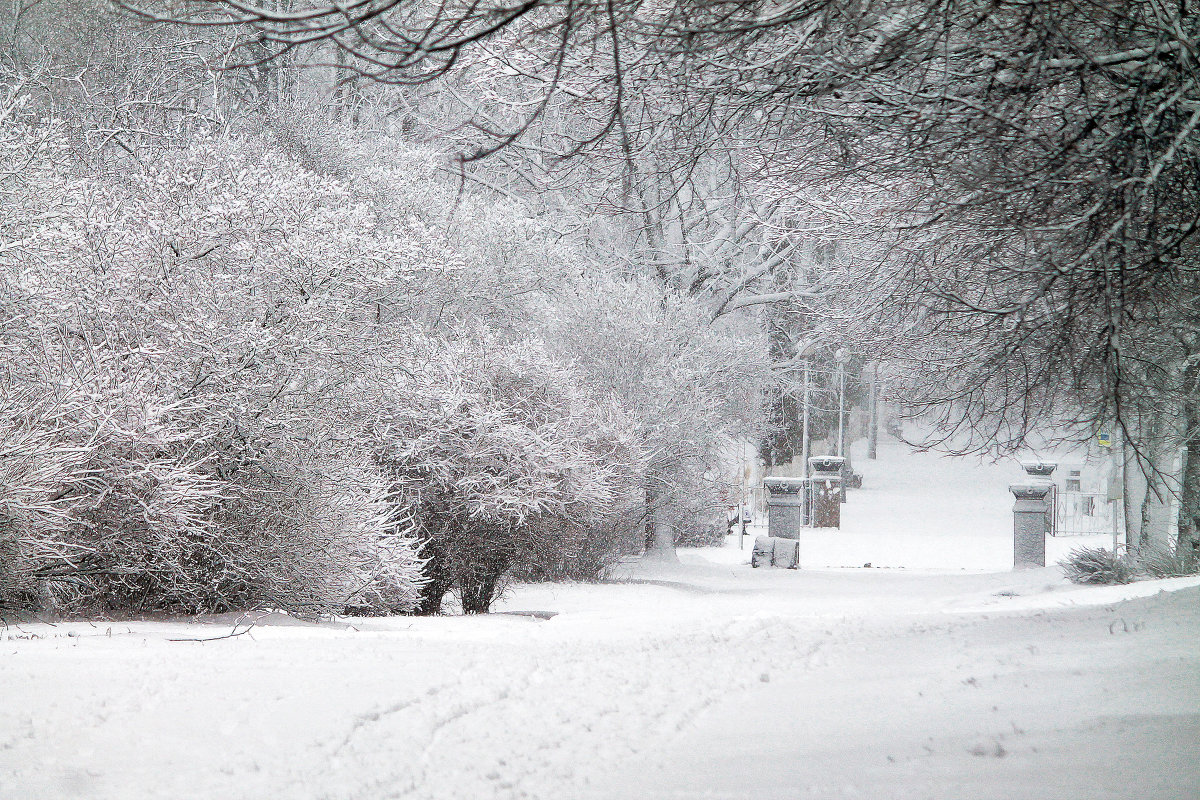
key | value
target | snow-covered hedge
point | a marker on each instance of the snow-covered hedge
(236, 377)
(187, 356)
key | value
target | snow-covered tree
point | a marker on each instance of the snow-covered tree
(499, 462)
(690, 389)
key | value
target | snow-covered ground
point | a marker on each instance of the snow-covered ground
(936, 673)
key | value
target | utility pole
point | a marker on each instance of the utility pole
(873, 430)
(841, 359)
(804, 417)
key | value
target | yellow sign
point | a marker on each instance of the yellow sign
(1105, 440)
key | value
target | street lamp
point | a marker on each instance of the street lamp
(841, 356)
(805, 352)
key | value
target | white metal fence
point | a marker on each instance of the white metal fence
(1086, 514)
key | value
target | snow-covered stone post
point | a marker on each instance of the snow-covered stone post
(1029, 524)
(785, 507)
(827, 490)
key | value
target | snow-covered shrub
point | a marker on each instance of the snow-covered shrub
(700, 528)
(34, 466)
(589, 551)
(1096, 565)
(186, 361)
(502, 464)
(170, 514)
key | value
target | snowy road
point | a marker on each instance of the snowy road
(703, 681)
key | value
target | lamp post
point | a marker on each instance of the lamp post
(804, 351)
(804, 419)
(841, 355)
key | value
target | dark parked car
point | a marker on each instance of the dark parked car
(850, 478)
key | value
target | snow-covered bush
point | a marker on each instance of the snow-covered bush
(35, 464)
(168, 513)
(1097, 565)
(502, 464)
(701, 528)
(187, 356)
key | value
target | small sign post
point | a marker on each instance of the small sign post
(1105, 439)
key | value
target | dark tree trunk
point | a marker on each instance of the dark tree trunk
(479, 586)
(1154, 487)
(437, 571)
(478, 594)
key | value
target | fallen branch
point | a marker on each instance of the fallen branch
(230, 635)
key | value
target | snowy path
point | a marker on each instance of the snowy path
(711, 682)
